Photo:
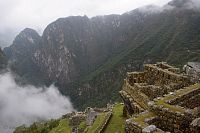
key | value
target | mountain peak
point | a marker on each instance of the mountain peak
(178, 3)
(29, 32)
(28, 35)
(150, 9)
(186, 4)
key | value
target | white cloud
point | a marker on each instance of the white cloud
(37, 14)
(193, 4)
(25, 105)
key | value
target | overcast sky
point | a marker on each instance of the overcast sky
(16, 15)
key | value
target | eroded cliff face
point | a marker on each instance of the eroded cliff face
(54, 57)
(64, 50)
(74, 46)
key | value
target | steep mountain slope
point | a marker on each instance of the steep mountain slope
(3, 60)
(88, 58)
(173, 37)
(21, 54)
(74, 46)
(71, 47)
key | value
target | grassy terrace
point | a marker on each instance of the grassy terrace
(179, 93)
(83, 125)
(141, 118)
(116, 123)
(52, 126)
(97, 123)
(63, 127)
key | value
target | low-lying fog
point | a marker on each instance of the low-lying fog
(25, 105)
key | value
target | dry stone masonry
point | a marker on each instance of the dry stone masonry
(163, 99)
(88, 117)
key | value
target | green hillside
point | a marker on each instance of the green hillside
(51, 126)
(62, 125)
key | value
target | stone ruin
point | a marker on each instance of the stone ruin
(193, 70)
(88, 117)
(163, 99)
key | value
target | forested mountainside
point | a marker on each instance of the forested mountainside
(89, 57)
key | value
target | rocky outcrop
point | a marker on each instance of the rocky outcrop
(193, 70)
(195, 125)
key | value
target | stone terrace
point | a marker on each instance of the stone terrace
(163, 97)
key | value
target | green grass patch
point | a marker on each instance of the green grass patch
(117, 122)
(178, 93)
(83, 125)
(141, 118)
(97, 123)
(63, 127)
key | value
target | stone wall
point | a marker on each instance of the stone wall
(172, 121)
(192, 102)
(91, 116)
(77, 119)
(158, 76)
(164, 65)
(175, 118)
(189, 100)
(131, 106)
(132, 127)
(195, 126)
(169, 97)
(141, 122)
(193, 70)
(156, 80)
(136, 77)
(134, 93)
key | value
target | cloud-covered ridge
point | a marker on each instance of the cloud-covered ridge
(185, 4)
(25, 105)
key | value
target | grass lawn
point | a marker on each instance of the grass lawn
(83, 125)
(63, 127)
(97, 123)
(116, 124)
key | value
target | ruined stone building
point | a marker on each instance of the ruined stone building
(162, 99)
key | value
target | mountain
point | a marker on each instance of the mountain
(21, 54)
(3, 60)
(72, 47)
(178, 3)
(89, 57)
